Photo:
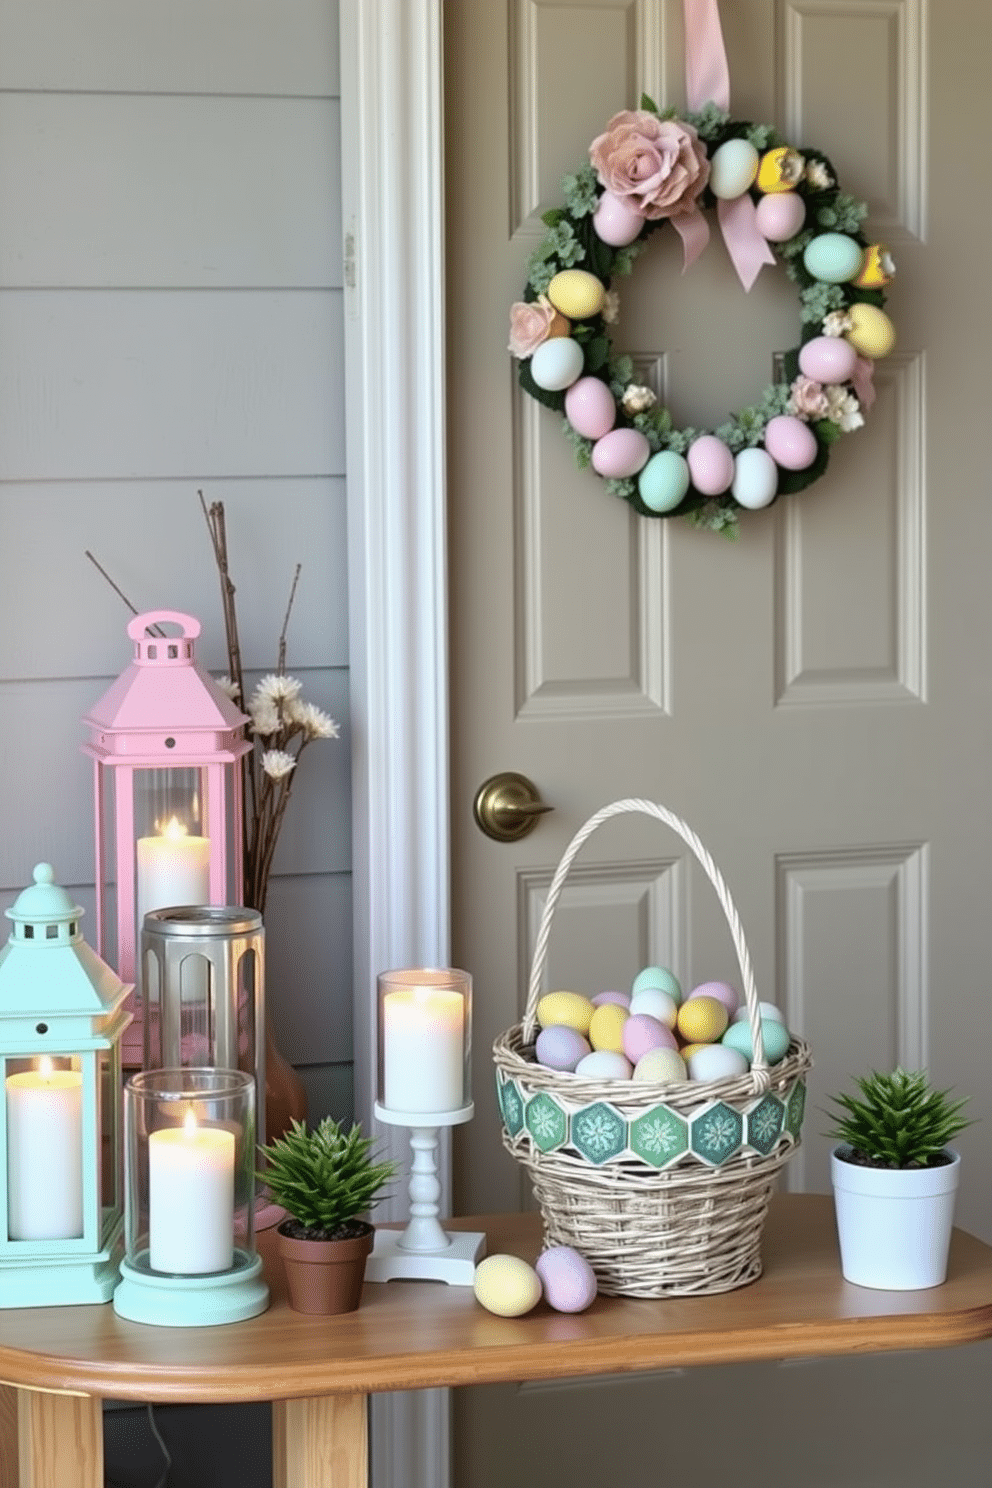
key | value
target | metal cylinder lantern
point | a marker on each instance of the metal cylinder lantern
(203, 970)
(167, 744)
(62, 1017)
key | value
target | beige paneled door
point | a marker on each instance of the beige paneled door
(813, 699)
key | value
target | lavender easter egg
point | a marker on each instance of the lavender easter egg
(615, 222)
(559, 1047)
(568, 1280)
(641, 1033)
(711, 465)
(722, 991)
(557, 363)
(827, 358)
(790, 442)
(780, 216)
(620, 454)
(619, 999)
(590, 409)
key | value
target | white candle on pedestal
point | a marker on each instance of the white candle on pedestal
(423, 1049)
(190, 1199)
(45, 1154)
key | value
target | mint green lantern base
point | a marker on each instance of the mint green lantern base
(145, 1296)
(60, 1282)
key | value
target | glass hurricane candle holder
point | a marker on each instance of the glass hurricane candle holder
(424, 1046)
(189, 1199)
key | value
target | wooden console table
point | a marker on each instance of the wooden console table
(56, 1364)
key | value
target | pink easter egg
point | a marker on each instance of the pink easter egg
(642, 1033)
(780, 215)
(827, 358)
(590, 409)
(619, 999)
(711, 465)
(620, 454)
(722, 991)
(790, 442)
(615, 221)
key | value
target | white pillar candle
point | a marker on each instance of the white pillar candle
(45, 1154)
(190, 1199)
(174, 869)
(423, 1049)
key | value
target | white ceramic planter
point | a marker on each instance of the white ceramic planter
(894, 1224)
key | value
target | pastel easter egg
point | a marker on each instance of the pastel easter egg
(576, 293)
(570, 1008)
(664, 481)
(657, 976)
(774, 1034)
(828, 359)
(722, 991)
(620, 454)
(568, 1280)
(506, 1285)
(702, 1020)
(755, 475)
(560, 1047)
(619, 999)
(590, 408)
(641, 1032)
(765, 1010)
(711, 465)
(716, 1062)
(833, 258)
(660, 1067)
(733, 167)
(557, 363)
(615, 221)
(780, 216)
(606, 1027)
(790, 442)
(657, 1004)
(604, 1064)
(872, 333)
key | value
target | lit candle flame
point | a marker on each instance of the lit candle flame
(189, 1123)
(45, 1067)
(174, 828)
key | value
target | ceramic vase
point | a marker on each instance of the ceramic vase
(894, 1224)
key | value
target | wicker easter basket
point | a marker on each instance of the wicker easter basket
(664, 1188)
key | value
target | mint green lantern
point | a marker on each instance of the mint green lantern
(61, 1152)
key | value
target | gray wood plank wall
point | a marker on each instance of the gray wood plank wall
(171, 319)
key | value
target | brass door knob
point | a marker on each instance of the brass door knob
(507, 806)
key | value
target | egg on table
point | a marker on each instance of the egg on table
(506, 1285)
(568, 1280)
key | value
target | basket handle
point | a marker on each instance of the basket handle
(688, 836)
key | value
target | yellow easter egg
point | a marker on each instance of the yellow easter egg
(702, 1020)
(877, 267)
(780, 169)
(576, 293)
(568, 1008)
(687, 1050)
(606, 1027)
(872, 332)
(506, 1285)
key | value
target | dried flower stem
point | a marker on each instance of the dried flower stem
(154, 629)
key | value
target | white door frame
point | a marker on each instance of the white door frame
(393, 216)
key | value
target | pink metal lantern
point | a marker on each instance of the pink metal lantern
(166, 743)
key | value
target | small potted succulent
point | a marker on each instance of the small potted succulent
(895, 1179)
(326, 1179)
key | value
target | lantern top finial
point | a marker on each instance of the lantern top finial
(44, 912)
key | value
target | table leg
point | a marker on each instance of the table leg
(49, 1440)
(320, 1443)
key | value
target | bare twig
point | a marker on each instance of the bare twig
(285, 624)
(151, 629)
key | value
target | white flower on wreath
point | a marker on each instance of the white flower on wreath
(611, 307)
(818, 176)
(277, 763)
(837, 323)
(637, 399)
(843, 408)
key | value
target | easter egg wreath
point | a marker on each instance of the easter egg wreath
(774, 204)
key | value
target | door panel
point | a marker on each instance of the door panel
(813, 699)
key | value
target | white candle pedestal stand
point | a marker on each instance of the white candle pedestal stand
(425, 1251)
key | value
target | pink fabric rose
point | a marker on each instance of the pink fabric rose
(807, 399)
(529, 325)
(657, 166)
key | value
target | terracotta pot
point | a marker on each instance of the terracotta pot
(325, 1276)
(285, 1093)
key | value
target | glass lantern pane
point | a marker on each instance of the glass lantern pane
(110, 1198)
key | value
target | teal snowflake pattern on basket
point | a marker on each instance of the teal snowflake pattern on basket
(794, 1108)
(717, 1134)
(546, 1122)
(659, 1137)
(599, 1133)
(764, 1124)
(511, 1106)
